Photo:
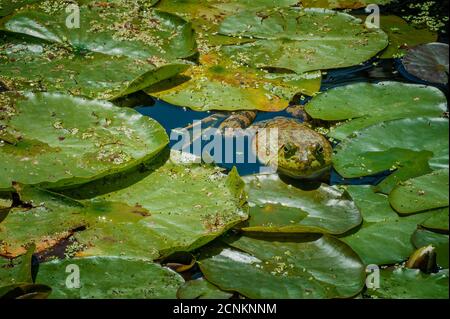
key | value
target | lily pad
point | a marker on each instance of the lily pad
(342, 4)
(220, 84)
(384, 237)
(402, 35)
(421, 193)
(276, 206)
(385, 146)
(428, 62)
(309, 267)
(110, 277)
(370, 103)
(201, 289)
(8, 6)
(113, 53)
(57, 140)
(405, 283)
(423, 237)
(438, 222)
(164, 209)
(299, 40)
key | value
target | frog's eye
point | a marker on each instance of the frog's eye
(319, 149)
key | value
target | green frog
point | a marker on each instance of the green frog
(301, 152)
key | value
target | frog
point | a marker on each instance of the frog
(301, 152)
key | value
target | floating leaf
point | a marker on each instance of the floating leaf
(276, 206)
(428, 62)
(300, 41)
(308, 267)
(342, 4)
(110, 277)
(438, 222)
(165, 209)
(423, 237)
(8, 6)
(58, 140)
(113, 53)
(387, 145)
(421, 193)
(384, 237)
(370, 103)
(411, 284)
(201, 289)
(374, 207)
(220, 84)
(402, 35)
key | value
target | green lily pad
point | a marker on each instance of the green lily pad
(112, 54)
(386, 145)
(110, 277)
(57, 140)
(342, 4)
(423, 237)
(438, 222)
(411, 284)
(300, 41)
(308, 267)
(370, 103)
(164, 209)
(220, 84)
(16, 280)
(8, 6)
(374, 207)
(384, 237)
(421, 193)
(201, 289)
(276, 206)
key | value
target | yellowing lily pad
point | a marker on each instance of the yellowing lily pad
(220, 84)
(301, 40)
(276, 206)
(308, 267)
(57, 140)
(112, 53)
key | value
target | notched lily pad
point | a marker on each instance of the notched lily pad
(301, 40)
(218, 83)
(365, 104)
(57, 140)
(109, 277)
(309, 267)
(276, 206)
(113, 53)
(387, 145)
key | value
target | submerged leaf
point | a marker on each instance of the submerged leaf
(57, 140)
(109, 277)
(307, 267)
(299, 40)
(276, 206)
